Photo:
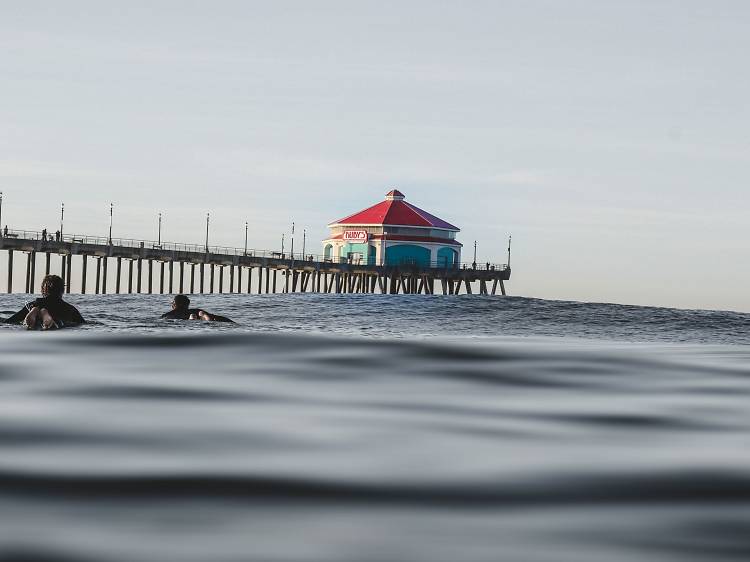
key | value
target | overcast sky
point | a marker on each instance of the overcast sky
(611, 139)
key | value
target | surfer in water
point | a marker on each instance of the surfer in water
(181, 311)
(50, 311)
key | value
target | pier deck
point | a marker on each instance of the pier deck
(249, 271)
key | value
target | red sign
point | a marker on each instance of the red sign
(355, 236)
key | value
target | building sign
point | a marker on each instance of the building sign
(359, 236)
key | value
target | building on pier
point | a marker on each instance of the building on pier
(393, 232)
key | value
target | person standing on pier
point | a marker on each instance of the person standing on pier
(50, 312)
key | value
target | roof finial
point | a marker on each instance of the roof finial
(394, 195)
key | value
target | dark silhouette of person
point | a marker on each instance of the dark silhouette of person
(50, 311)
(181, 311)
(44, 235)
(5, 231)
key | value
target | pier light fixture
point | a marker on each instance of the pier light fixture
(245, 237)
(208, 220)
(509, 240)
(304, 240)
(291, 250)
(1, 214)
(282, 245)
(111, 208)
(62, 219)
(159, 238)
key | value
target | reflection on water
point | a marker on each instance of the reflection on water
(138, 439)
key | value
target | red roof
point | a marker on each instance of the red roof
(394, 211)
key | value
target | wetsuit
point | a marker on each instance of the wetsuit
(181, 313)
(62, 313)
(186, 313)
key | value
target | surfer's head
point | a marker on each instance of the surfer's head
(180, 302)
(53, 286)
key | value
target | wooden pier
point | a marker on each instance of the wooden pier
(181, 268)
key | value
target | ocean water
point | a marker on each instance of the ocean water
(376, 428)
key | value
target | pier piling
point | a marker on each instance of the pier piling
(98, 274)
(68, 271)
(104, 274)
(84, 268)
(10, 271)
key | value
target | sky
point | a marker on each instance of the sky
(611, 139)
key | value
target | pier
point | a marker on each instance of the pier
(127, 266)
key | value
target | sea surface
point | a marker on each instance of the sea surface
(334, 428)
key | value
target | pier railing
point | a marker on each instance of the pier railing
(179, 247)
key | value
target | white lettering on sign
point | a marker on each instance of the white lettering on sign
(355, 235)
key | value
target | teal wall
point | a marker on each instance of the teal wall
(446, 257)
(407, 254)
(367, 251)
(328, 251)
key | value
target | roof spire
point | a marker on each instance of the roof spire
(394, 195)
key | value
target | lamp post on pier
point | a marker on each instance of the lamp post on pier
(509, 239)
(474, 263)
(245, 237)
(282, 245)
(208, 220)
(1, 214)
(111, 207)
(304, 240)
(159, 240)
(62, 218)
(291, 251)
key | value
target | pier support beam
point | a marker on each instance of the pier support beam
(130, 276)
(211, 280)
(104, 275)
(118, 275)
(68, 271)
(161, 278)
(268, 280)
(171, 277)
(48, 263)
(84, 268)
(98, 274)
(10, 271)
(62, 267)
(231, 278)
(28, 273)
(260, 280)
(150, 277)
(33, 272)
(221, 279)
(32, 257)
(140, 276)
(202, 276)
(274, 281)
(182, 277)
